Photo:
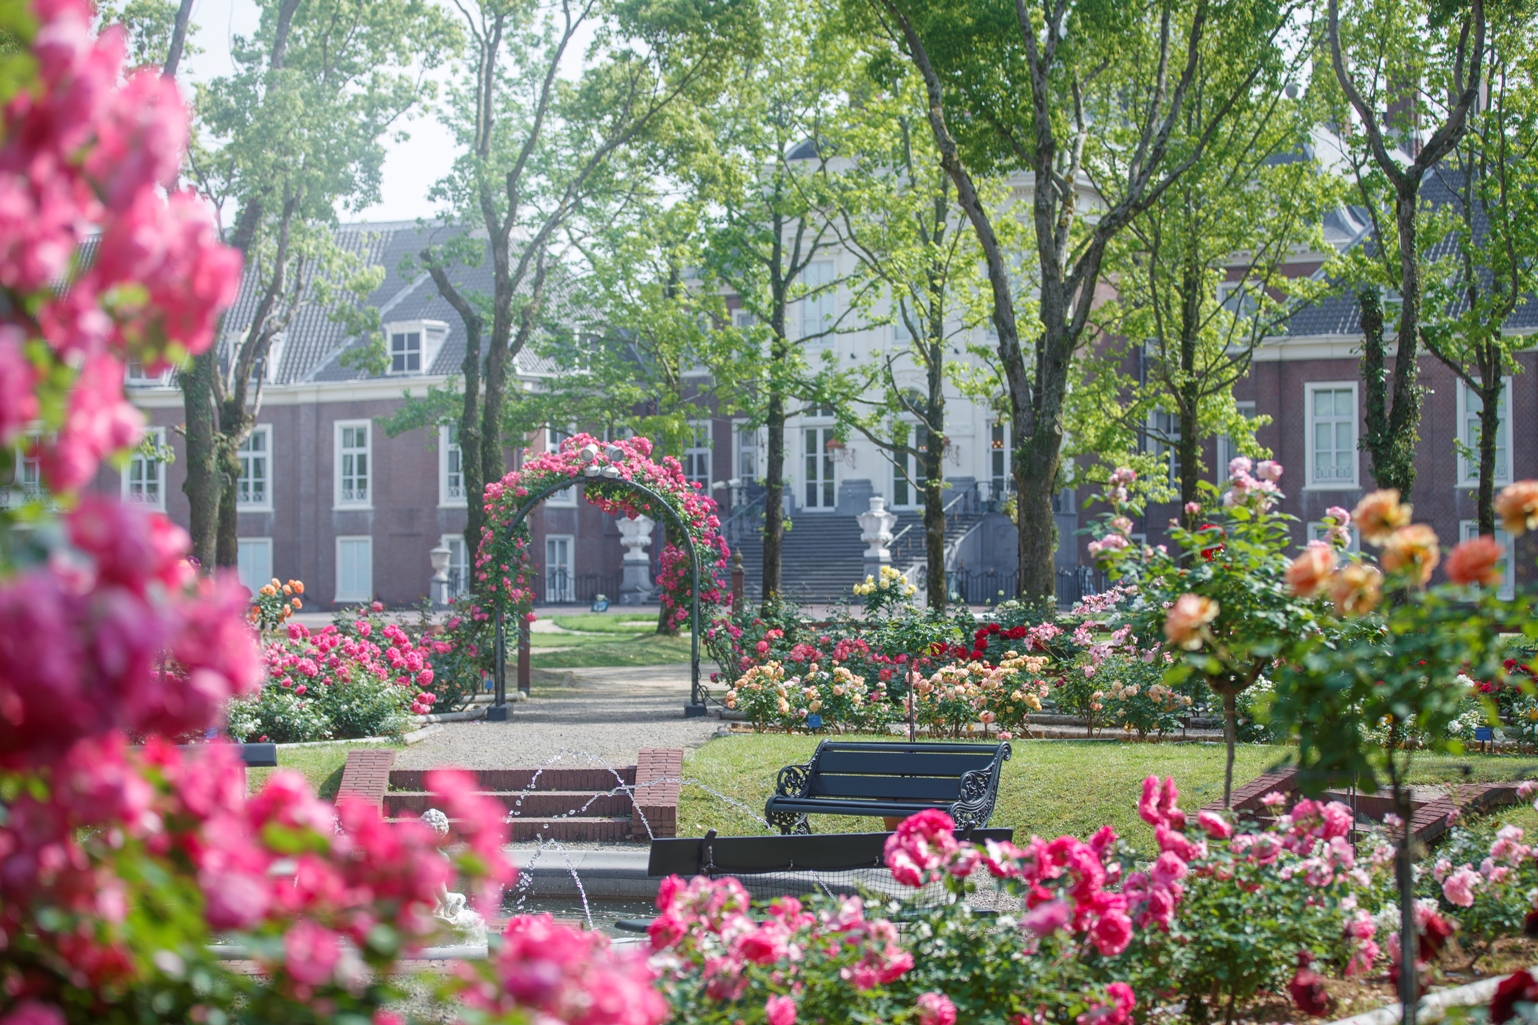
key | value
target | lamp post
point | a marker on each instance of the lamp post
(440, 559)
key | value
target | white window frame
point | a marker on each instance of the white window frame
(900, 461)
(431, 335)
(264, 431)
(745, 440)
(828, 500)
(137, 460)
(253, 581)
(135, 377)
(571, 569)
(1159, 446)
(338, 502)
(274, 358)
(1309, 388)
(999, 446)
(26, 478)
(567, 497)
(1227, 450)
(448, 445)
(1468, 469)
(1318, 530)
(459, 557)
(356, 594)
(1469, 529)
(698, 429)
(819, 312)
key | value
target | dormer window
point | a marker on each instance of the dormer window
(406, 352)
(413, 345)
(136, 377)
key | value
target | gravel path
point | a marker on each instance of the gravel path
(604, 716)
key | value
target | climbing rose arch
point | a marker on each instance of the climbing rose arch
(504, 559)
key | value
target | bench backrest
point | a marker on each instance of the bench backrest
(912, 772)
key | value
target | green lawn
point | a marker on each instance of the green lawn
(629, 639)
(321, 765)
(608, 622)
(1049, 787)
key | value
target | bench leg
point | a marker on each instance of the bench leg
(892, 822)
(788, 822)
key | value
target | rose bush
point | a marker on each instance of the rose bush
(121, 866)
(361, 677)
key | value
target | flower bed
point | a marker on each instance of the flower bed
(359, 677)
(1228, 915)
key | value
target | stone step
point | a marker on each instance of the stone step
(594, 829)
(532, 804)
(587, 780)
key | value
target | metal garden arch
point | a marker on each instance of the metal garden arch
(499, 710)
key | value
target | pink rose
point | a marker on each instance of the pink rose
(780, 1010)
(935, 1008)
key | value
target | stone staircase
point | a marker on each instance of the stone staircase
(633, 802)
(821, 557)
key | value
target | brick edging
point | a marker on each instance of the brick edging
(366, 776)
(658, 771)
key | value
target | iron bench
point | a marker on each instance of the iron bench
(890, 780)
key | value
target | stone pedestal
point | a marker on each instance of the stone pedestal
(876, 531)
(636, 535)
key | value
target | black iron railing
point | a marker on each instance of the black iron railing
(558, 587)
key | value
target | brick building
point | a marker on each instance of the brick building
(330, 498)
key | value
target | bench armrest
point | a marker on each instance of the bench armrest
(794, 781)
(979, 789)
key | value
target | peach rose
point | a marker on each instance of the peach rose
(1307, 573)
(1517, 506)
(1477, 561)
(1185, 619)
(1380, 514)
(1412, 551)
(1356, 589)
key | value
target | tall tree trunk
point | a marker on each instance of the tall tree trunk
(1392, 449)
(497, 359)
(234, 424)
(774, 482)
(1489, 435)
(201, 485)
(178, 39)
(934, 510)
(1375, 384)
(470, 440)
(227, 546)
(1036, 462)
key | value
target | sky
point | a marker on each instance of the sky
(410, 167)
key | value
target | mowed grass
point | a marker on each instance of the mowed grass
(608, 622)
(1049, 787)
(321, 765)
(594, 640)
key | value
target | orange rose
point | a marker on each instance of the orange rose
(1185, 619)
(1356, 589)
(1308, 572)
(1477, 561)
(1517, 506)
(1412, 551)
(1380, 514)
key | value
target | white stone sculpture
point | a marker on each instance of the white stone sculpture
(453, 909)
(876, 529)
(635, 533)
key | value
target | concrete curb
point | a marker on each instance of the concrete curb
(604, 874)
(417, 736)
